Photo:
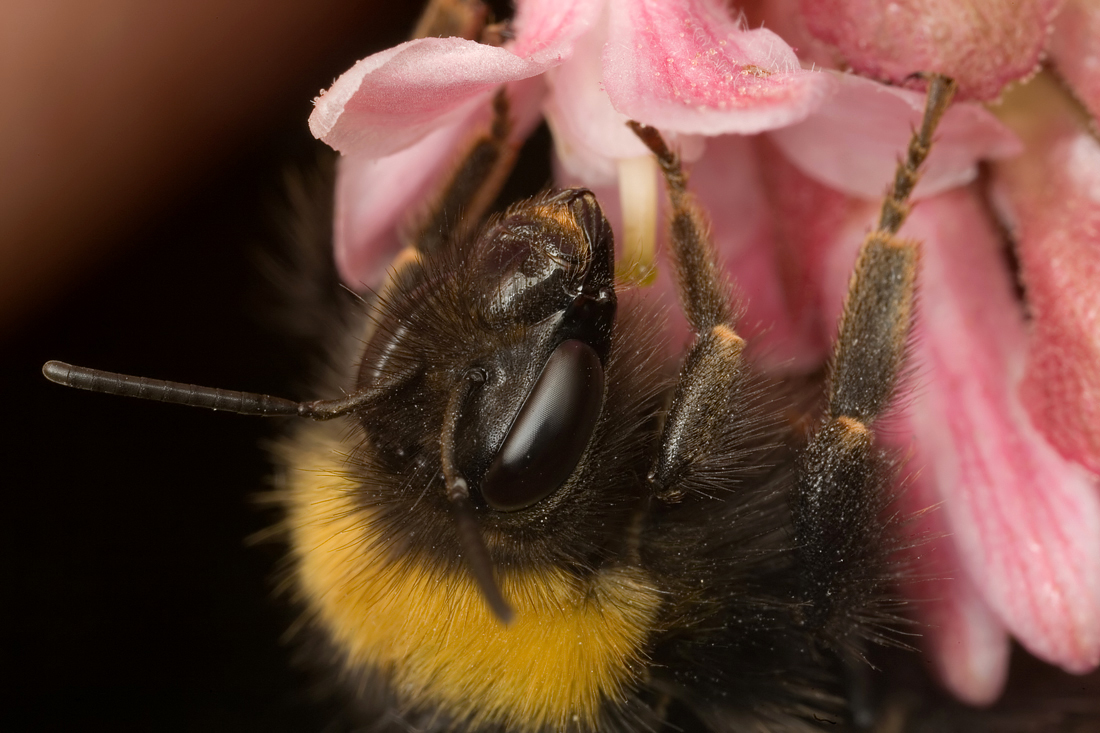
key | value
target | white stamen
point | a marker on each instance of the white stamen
(638, 198)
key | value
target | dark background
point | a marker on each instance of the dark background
(131, 601)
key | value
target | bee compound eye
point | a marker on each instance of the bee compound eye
(551, 431)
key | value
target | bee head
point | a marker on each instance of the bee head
(515, 337)
(493, 364)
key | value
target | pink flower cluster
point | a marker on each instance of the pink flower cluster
(790, 157)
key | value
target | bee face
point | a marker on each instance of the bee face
(521, 328)
(499, 317)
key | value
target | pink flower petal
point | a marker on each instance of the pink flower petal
(589, 134)
(983, 44)
(546, 30)
(965, 643)
(970, 647)
(390, 100)
(1075, 49)
(1052, 194)
(852, 143)
(1060, 257)
(807, 217)
(686, 66)
(1025, 520)
(377, 197)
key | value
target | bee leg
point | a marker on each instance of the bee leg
(714, 371)
(447, 18)
(473, 185)
(843, 483)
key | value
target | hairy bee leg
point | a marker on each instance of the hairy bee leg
(704, 290)
(715, 369)
(843, 483)
(474, 184)
(447, 18)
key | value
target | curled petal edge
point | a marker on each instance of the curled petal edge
(395, 98)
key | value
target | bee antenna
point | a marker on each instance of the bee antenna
(473, 546)
(178, 393)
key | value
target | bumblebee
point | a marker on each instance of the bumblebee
(522, 515)
(517, 519)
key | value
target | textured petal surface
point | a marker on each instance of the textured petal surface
(807, 218)
(1060, 256)
(686, 66)
(394, 98)
(969, 647)
(852, 143)
(1025, 520)
(1051, 195)
(1075, 50)
(966, 644)
(983, 44)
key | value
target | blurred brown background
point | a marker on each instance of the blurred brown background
(115, 111)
